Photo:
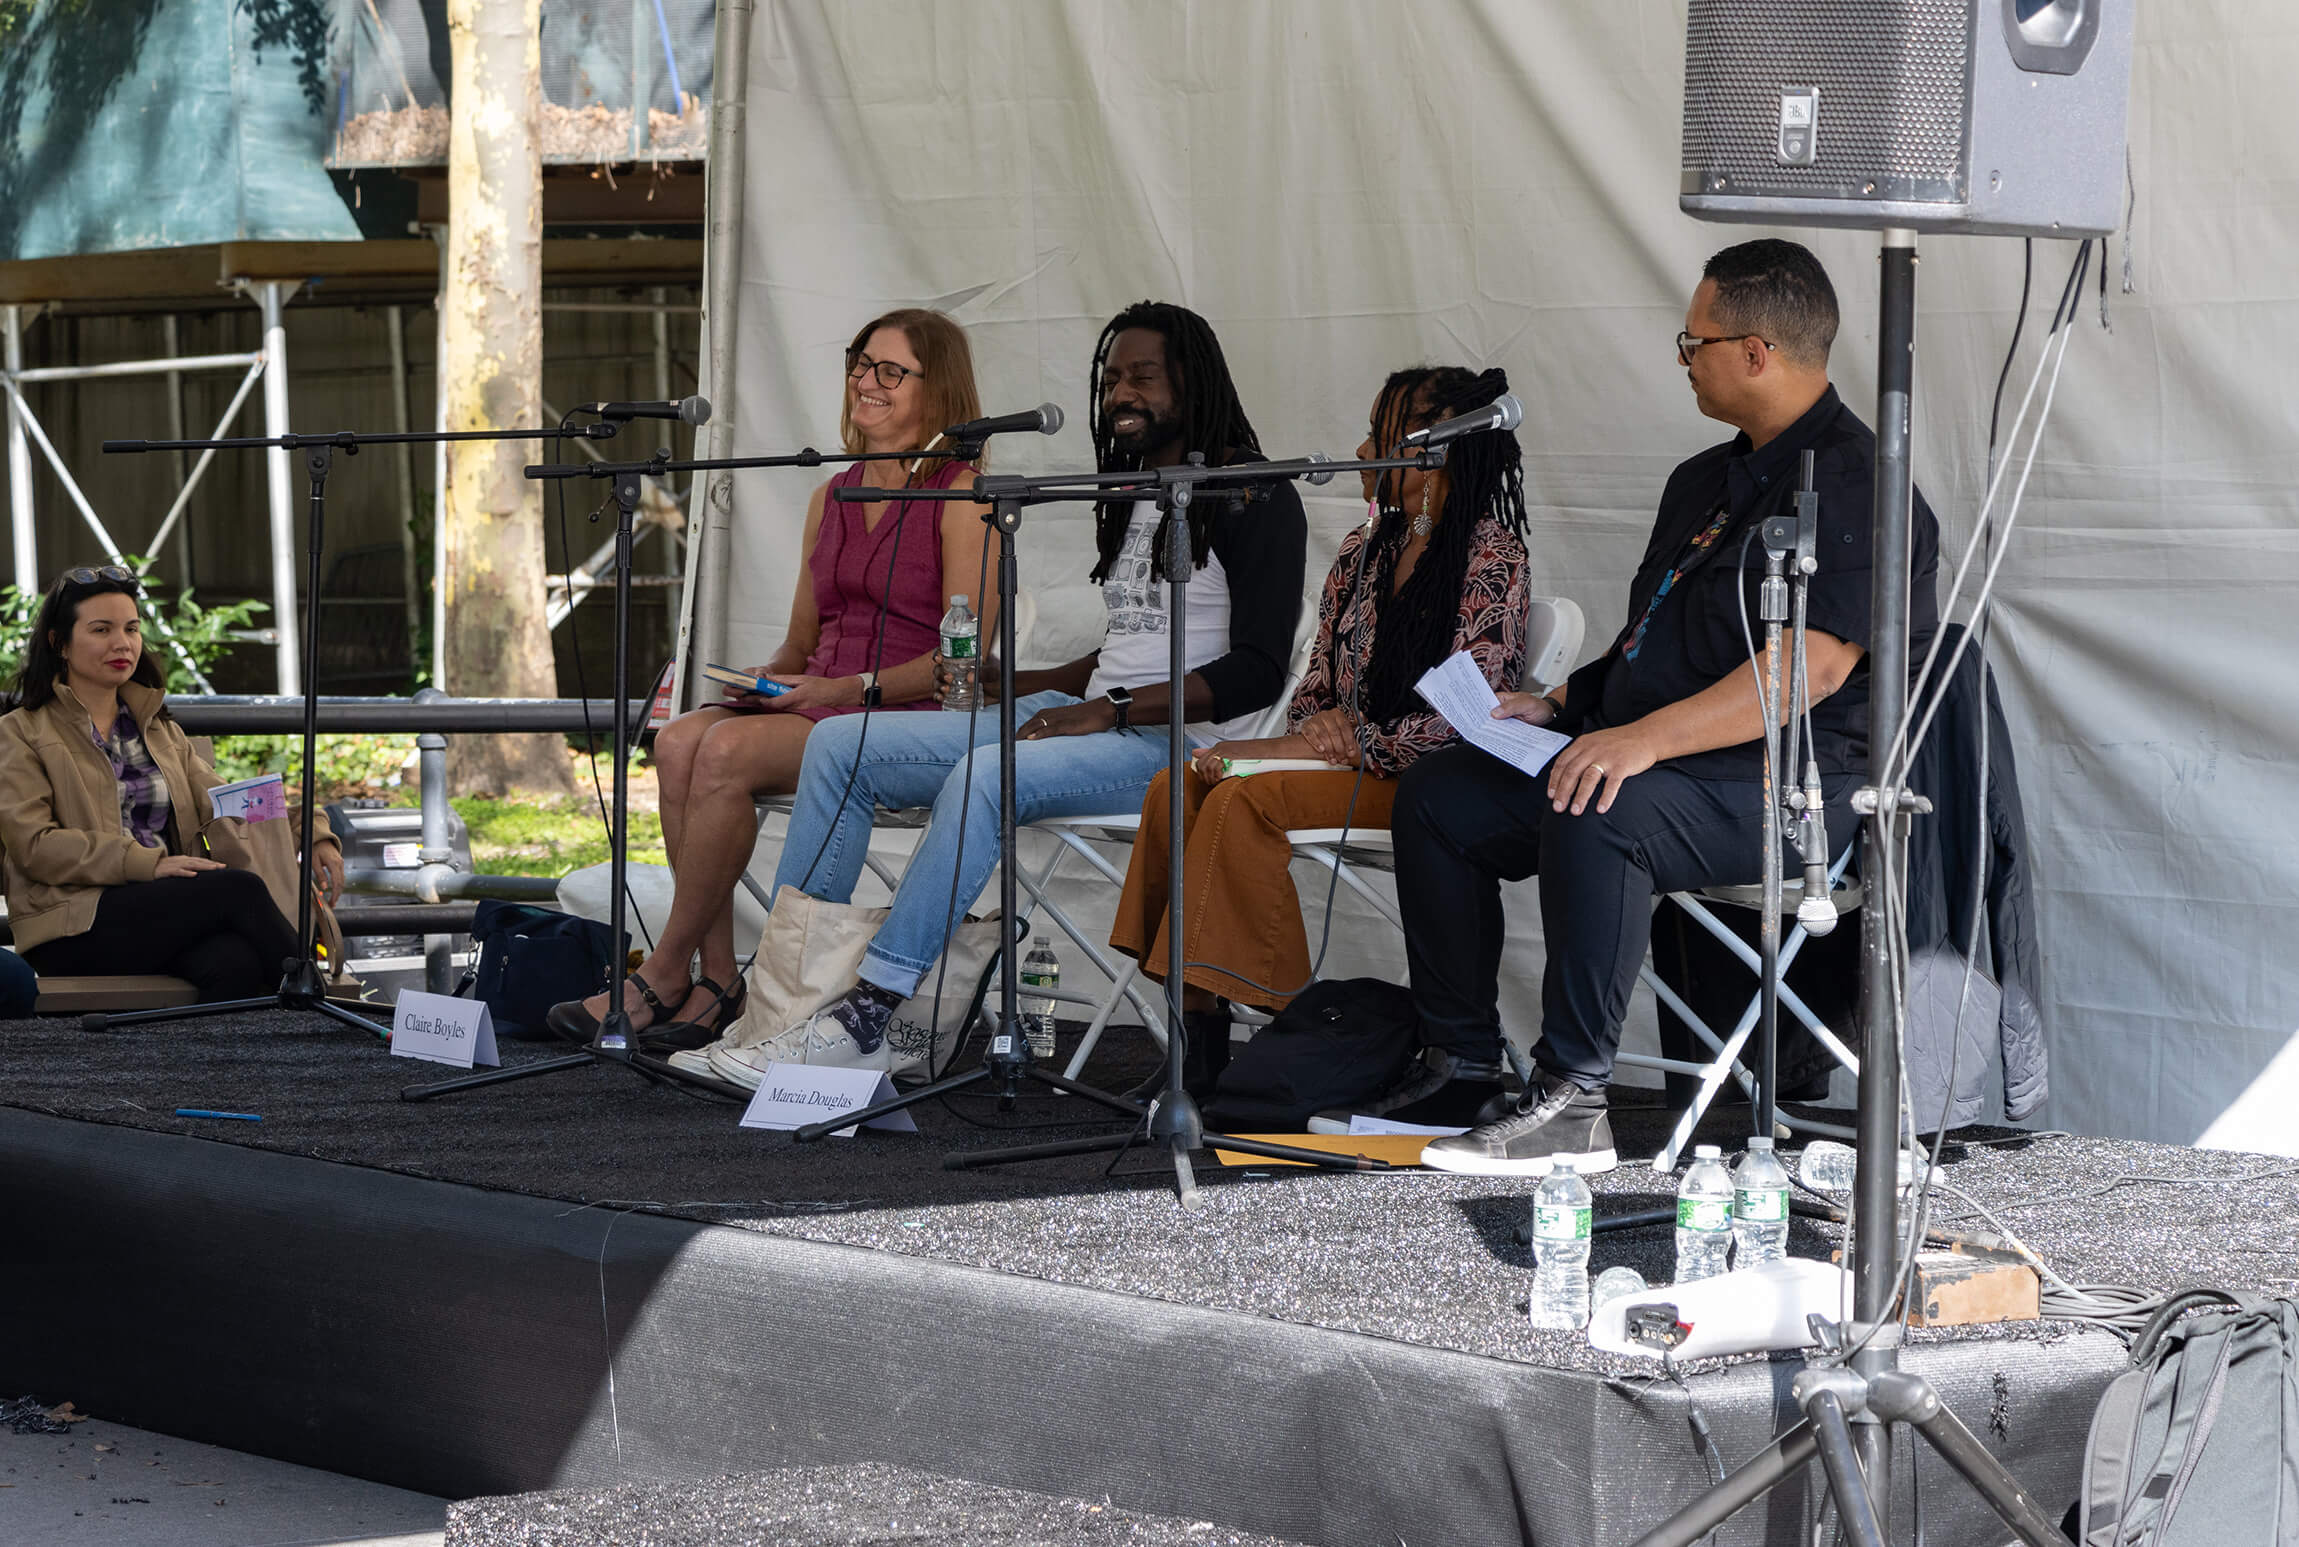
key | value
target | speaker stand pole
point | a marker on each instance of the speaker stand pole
(1852, 1391)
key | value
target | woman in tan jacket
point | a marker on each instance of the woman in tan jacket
(105, 815)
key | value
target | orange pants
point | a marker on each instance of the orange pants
(1244, 915)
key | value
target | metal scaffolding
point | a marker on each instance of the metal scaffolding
(267, 365)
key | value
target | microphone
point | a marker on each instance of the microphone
(1046, 418)
(1503, 413)
(1323, 475)
(687, 410)
(1815, 910)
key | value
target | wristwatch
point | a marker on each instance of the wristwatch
(870, 695)
(1122, 699)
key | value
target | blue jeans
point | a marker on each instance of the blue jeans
(921, 760)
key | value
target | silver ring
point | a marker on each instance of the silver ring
(1598, 767)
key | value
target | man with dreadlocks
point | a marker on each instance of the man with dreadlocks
(1437, 568)
(1091, 734)
(1660, 789)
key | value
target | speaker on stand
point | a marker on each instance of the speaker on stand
(1978, 117)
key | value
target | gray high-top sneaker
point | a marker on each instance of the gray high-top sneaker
(1436, 1090)
(1555, 1120)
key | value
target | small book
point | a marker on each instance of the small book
(744, 682)
(261, 799)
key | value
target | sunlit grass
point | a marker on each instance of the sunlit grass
(550, 838)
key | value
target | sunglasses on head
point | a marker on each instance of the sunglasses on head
(86, 576)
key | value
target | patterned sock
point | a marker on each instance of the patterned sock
(864, 1013)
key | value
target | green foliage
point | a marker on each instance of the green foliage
(347, 764)
(203, 632)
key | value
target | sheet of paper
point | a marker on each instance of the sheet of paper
(1359, 1123)
(1459, 692)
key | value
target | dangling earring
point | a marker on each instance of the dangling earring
(1424, 523)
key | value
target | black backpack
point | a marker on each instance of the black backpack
(1333, 1046)
(532, 958)
(2193, 1446)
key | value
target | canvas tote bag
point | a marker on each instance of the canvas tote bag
(810, 954)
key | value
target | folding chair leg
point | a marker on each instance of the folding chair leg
(1101, 1021)
(1123, 980)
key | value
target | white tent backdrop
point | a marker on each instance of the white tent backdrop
(1347, 186)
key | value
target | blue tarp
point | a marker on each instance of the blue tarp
(130, 124)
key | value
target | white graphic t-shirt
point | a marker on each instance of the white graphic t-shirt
(1134, 644)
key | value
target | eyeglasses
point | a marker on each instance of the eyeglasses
(87, 576)
(1688, 343)
(888, 373)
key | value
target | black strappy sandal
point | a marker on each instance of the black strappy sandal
(724, 1009)
(576, 1024)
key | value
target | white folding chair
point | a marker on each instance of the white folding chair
(1554, 628)
(1081, 836)
(1726, 1050)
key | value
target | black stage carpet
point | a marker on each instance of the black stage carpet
(1322, 1357)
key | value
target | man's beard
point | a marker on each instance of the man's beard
(1155, 431)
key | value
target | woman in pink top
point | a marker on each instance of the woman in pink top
(864, 627)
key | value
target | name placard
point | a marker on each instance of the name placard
(441, 1029)
(795, 1095)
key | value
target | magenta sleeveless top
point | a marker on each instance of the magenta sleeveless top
(895, 570)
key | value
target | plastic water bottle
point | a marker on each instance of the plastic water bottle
(962, 650)
(1041, 975)
(1759, 1206)
(1617, 1282)
(1829, 1167)
(1561, 1250)
(1703, 1217)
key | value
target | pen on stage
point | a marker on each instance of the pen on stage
(237, 1117)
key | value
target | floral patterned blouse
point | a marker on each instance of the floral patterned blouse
(1494, 593)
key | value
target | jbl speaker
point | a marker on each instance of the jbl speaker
(1998, 117)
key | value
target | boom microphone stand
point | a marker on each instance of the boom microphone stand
(302, 986)
(1853, 1391)
(616, 1042)
(1172, 1120)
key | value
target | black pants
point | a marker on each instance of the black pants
(1465, 821)
(218, 930)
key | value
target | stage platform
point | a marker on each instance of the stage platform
(589, 1282)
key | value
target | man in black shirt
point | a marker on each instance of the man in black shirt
(1659, 790)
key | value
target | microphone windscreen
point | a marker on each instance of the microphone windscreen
(695, 410)
(1049, 418)
(1512, 411)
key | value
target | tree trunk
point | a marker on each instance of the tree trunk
(497, 642)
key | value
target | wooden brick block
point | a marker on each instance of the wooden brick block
(1963, 1288)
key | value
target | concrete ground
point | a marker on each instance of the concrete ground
(107, 1484)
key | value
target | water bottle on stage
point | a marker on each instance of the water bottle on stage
(962, 649)
(1759, 1206)
(1561, 1210)
(1703, 1217)
(1041, 974)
